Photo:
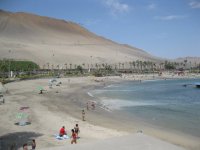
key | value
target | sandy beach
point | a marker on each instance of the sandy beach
(62, 105)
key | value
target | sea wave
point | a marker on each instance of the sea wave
(111, 86)
(117, 104)
(101, 91)
(90, 94)
(154, 80)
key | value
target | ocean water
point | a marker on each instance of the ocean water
(164, 103)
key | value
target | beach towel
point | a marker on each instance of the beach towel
(64, 137)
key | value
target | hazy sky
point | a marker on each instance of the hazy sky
(165, 28)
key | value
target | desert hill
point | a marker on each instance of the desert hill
(45, 40)
(188, 60)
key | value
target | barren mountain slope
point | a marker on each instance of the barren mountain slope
(47, 40)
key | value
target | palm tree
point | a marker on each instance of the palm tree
(141, 64)
(96, 65)
(199, 67)
(145, 65)
(58, 66)
(138, 64)
(130, 66)
(176, 64)
(185, 63)
(70, 66)
(161, 65)
(115, 66)
(103, 65)
(133, 64)
(148, 65)
(83, 64)
(190, 66)
(44, 66)
(65, 66)
(48, 65)
(119, 65)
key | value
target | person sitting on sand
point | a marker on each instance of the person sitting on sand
(76, 129)
(33, 144)
(41, 91)
(62, 131)
(73, 137)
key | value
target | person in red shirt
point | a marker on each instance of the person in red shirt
(73, 136)
(62, 131)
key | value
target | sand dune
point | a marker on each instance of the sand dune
(47, 40)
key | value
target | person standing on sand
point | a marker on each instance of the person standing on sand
(76, 129)
(33, 144)
(87, 106)
(93, 106)
(83, 115)
(73, 137)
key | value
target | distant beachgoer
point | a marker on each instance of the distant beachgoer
(83, 115)
(62, 131)
(93, 105)
(87, 106)
(25, 146)
(73, 137)
(41, 92)
(76, 129)
(33, 144)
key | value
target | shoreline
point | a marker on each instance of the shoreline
(179, 138)
(65, 106)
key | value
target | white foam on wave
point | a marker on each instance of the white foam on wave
(117, 104)
(101, 91)
(154, 80)
(90, 94)
(110, 86)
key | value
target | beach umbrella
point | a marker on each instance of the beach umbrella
(40, 88)
(2, 88)
(22, 118)
(21, 115)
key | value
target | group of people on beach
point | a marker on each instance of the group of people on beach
(88, 104)
(74, 133)
(92, 104)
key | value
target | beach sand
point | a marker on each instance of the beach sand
(62, 105)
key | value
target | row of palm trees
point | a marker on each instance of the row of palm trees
(134, 65)
(137, 65)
